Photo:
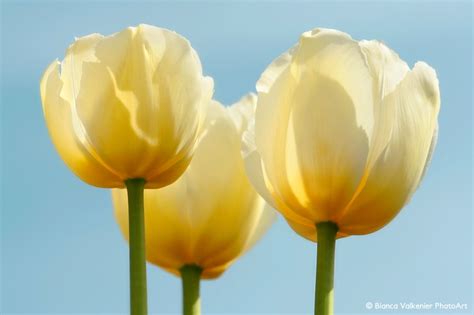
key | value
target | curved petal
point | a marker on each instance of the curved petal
(260, 220)
(314, 123)
(262, 223)
(387, 70)
(252, 160)
(434, 141)
(228, 210)
(274, 71)
(397, 172)
(184, 97)
(174, 170)
(256, 175)
(385, 65)
(60, 121)
(245, 123)
(256, 172)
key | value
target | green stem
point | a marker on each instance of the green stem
(191, 276)
(324, 299)
(136, 223)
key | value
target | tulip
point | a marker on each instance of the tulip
(344, 131)
(126, 110)
(199, 225)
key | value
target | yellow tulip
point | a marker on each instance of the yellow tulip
(126, 110)
(211, 215)
(344, 131)
(128, 105)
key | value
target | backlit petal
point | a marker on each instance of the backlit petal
(314, 123)
(63, 131)
(398, 171)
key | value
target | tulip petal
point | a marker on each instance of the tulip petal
(314, 123)
(274, 71)
(228, 211)
(63, 131)
(253, 164)
(97, 106)
(388, 70)
(254, 171)
(398, 171)
(256, 175)
(385, 65)
(434, 141)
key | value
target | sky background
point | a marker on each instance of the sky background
(61, 250)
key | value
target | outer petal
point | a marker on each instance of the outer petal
(184, 96)
(387, 70)
(64, 132)
(275, 70)
(397, 172)
(385, 65)
(80, 77)
(259, 180)
(211, 214)
(231, 213)
(144, 116)
(313, 124)
(253, 160)
(434, 141)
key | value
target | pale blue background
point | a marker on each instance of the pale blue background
(61, 249)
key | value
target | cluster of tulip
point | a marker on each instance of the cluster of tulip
(337, 141)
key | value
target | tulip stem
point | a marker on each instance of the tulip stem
(191, 276)
(136, 221)
(324, 299)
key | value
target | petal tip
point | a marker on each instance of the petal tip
(320, 31)
(428, 80)
(53, 67)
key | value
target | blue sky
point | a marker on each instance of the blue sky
(61, 251)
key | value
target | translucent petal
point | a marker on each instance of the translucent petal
(314, 121)
(60, 121)
(398, 171)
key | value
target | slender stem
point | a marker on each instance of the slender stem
(324, 299)
(191, 276)
(136, 223)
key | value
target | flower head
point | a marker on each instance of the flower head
(128, 105)
(344, 131)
